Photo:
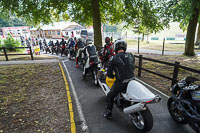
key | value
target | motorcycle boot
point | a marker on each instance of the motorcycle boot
(107, 114)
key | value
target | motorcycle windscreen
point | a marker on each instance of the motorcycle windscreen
(137, 92)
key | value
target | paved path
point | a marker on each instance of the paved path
(92, 100)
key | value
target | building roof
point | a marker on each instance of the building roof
(73, 27)
(57, 26)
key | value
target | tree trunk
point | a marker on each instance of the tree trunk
(198, 36)
(97, 24)
(189, 45)
(142, 36)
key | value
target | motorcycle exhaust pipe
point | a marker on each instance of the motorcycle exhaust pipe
(135, 108)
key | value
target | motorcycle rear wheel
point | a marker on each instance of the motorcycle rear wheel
(172, 108)
(94, 73)
(142, 120)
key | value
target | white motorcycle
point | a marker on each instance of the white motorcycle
(133, 102)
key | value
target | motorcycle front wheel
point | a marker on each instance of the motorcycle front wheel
(174, 112)
(142, 120)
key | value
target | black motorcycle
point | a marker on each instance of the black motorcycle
(184, 104)
(53, 49)
(81, 58)
(72, 53)
(58, 50)
(94, 68)
(47, 49)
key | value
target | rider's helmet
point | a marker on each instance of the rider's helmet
(88, 41)
(79, 40)
(107, 39)
(120, 44)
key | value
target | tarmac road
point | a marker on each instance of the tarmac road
(92, 100)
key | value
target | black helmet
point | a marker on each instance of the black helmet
(88, 41)
(120, 44)
(79, 40)
(107, 39)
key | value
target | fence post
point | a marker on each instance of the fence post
(163, 46)
(140, 66)
(175, 73)
(138, 45)
(4, 49)
(31, 53)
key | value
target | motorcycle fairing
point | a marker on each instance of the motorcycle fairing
(136, 92)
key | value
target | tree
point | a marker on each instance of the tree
(187, 13)
(88, 12)
(12, 22)
(198, 36)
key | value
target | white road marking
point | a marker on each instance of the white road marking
(152, 88)
(78, 105)
(66, 60)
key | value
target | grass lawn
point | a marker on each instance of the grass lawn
(162, 83)
(158, 45)
(33, 99)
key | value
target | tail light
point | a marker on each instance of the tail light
(92, 63)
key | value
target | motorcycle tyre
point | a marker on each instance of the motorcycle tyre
(147, 119)
(94, 73)
(169, 102)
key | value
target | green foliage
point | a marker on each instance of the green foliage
(10, 42)
(1, 45)
(11, 23)
(146, 13)
(182, 11)
(110, 28)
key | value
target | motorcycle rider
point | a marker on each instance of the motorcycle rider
(71, 46)
(90, 54)
(108, 50)
(80, 47)
(123, 65)
(45, 42)
(63, 43)
(57, 44)
(40, 43)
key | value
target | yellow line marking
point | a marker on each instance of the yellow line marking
(72, 122)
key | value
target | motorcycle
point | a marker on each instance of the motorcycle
(58, 50)
(101, 58)
(184, 104)
(94, 68)
(47, 49)
(81, 58)
(133, 102)
(53, 49)
(72, 53)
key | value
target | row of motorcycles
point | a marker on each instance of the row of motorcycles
(183, 105)
(58, 49)
(133, 102)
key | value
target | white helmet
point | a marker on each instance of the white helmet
(88, 41)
